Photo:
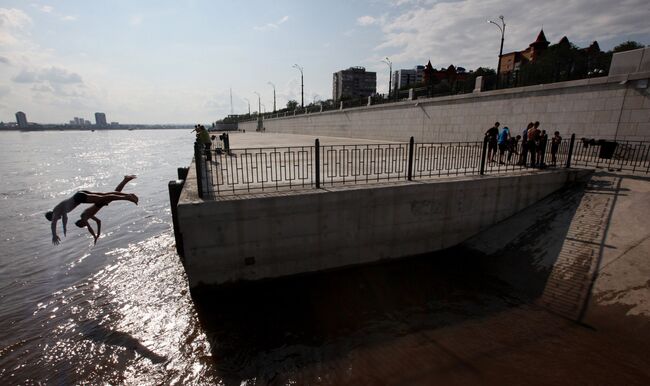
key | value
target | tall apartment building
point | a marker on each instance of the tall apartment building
(405, 77)
(21, 119)
(355, 82)
(100, 119)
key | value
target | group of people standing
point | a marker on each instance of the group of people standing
(533, 144)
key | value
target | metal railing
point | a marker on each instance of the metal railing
(230, 172)
(631, 156)
(354, 164)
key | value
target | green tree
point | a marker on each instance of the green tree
(292, 105)
(489, 78)
(627, 46)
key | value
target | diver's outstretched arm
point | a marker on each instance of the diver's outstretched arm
(99, 227)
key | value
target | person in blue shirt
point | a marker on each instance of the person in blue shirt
(502, 141)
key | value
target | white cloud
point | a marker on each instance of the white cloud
(13, 23)
(135, 20)
(272, 26)
(69, 18)
(456, 32)
(44, 8)
(367, 20)
(4, 90)
(52, 75)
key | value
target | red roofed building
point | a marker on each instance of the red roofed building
(512, 61)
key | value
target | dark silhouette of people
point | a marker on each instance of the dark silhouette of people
(91, 211)
(491, 135)
(66, 206)
(533, 143)
(556, 140)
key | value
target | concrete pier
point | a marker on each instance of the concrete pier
(268, 235)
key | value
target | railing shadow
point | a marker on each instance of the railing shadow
(556, 256)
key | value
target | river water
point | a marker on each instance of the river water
(120, 312)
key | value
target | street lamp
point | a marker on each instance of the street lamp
(390, 74)
(259, 102)
(264, 107)
(273, 95)
(302, 86)
(502, 28)
(249, 106)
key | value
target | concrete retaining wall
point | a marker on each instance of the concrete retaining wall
(593, 108)
(276, 235)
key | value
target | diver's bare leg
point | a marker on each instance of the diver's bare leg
(126, 179)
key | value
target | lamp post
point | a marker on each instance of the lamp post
(264, 108)
(273, 95)
(390, 74)
(249, 106)
(302, 86)
(501, 28)
(259, 102)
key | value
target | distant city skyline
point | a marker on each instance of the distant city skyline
(176, 61)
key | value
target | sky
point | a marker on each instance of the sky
(166, 62)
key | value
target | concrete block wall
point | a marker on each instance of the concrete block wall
(615, 106)
(275, 235)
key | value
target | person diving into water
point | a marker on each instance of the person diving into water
(62, 209)
(91, 211)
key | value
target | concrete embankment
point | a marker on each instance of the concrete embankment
(279, 234)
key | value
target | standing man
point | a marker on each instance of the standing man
(533, 142)
(541, 148)
(502, 141)
(203, 137)
(555, 145)
(524, 145)
(491, 136)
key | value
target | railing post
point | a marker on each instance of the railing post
(198, 160)
(317, 162)
(411, 148)
(484, 155)
(175, 188)
(571, 144)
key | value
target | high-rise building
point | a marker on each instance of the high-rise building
(355, 82)
(21, 120)
(405, 77)
(100, 119)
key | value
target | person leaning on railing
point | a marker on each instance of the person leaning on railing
(203, 137)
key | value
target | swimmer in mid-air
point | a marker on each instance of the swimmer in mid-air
(83, 197)
(92, 210)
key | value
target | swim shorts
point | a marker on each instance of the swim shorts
(81, 197)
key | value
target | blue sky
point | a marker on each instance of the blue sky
(175, 61)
